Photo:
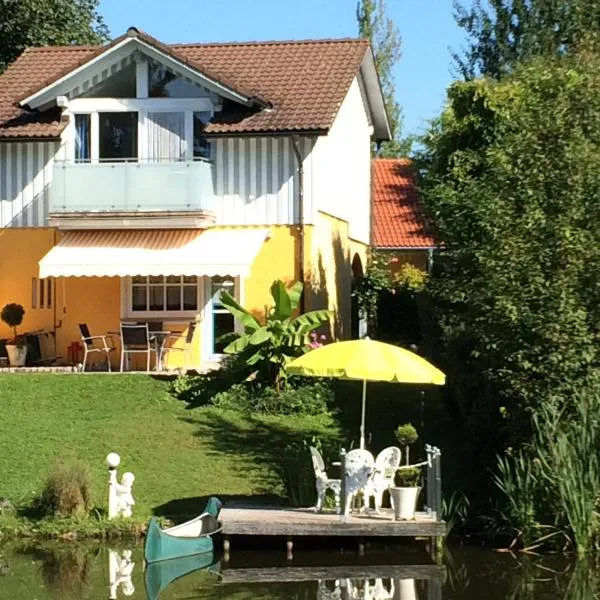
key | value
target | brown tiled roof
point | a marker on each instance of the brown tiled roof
(397, 221)
(304, 82)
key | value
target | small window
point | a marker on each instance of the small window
(223, 321)
(172, 294)
(34, 292)
(82, 138)
(201, 144)
(49, 282)
(42, 295)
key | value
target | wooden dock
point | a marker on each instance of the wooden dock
(292, 523)
(306, 522)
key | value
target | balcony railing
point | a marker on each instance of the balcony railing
(131, 187)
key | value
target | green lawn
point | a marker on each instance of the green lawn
(178, 456)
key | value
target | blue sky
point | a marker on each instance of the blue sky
(426, 26)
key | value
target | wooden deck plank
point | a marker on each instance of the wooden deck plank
(275, 521)
(287, 574)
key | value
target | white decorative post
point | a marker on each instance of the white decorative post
(120, 498)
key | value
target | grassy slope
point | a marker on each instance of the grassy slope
(176, 455)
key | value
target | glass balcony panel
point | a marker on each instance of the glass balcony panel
(132, 187)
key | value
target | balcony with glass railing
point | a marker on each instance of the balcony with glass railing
(113, 193)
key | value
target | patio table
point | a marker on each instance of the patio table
(159, 338)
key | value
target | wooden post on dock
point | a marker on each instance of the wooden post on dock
(226, 547)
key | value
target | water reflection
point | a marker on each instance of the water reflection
(120, 570)
(65, 570)
(69, 571)
(366, 589)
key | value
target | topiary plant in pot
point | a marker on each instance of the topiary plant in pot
(407, 479)
(16, 347)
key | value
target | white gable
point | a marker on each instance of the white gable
(117, 58)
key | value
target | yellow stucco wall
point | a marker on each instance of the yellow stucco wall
(97, 300)
(328, 267)
(20, 251)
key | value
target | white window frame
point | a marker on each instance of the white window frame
(127, 311)
(207, 329)
(143, 154)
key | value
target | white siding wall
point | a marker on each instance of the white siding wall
(25, 177)
(256, 181)
(341, 167)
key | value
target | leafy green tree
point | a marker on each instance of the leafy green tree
(266, 347)
(511, 190)
(26, 23)
(386, 43)
(503, 32)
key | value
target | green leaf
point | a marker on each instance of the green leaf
(312, 320)
(283, 304)
(260, 336)
(247, 320)
(295, 293)
(238, 345)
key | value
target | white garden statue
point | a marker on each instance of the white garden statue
(120, 571)
(120, 497)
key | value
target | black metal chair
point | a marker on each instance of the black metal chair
(95, 343)
(135, 339)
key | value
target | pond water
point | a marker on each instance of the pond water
(70, 571)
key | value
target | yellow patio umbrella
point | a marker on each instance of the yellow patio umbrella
(366, 360)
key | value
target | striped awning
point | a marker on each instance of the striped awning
(118, 253)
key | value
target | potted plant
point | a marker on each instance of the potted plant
(16, 347)
(407, 479)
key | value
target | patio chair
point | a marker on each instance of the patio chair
(186, 349)
(95, 344)
(386, 463)
(323, 482)
(358, 468)
(135, 339)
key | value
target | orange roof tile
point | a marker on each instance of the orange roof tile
(397, 222)
(305, 82)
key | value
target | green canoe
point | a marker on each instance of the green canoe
(159, 575)
(187, 539)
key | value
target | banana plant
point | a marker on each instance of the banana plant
(267, 346)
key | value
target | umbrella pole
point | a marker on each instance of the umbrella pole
(362, 419)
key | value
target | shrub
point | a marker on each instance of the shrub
(12, 314)
(67, 491)
(266, 346)
(408, 477)
(406, 435)
(200, 389)
(304, 399)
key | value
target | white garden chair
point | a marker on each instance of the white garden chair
(386, 463)
(323, 482)
(358, 468)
